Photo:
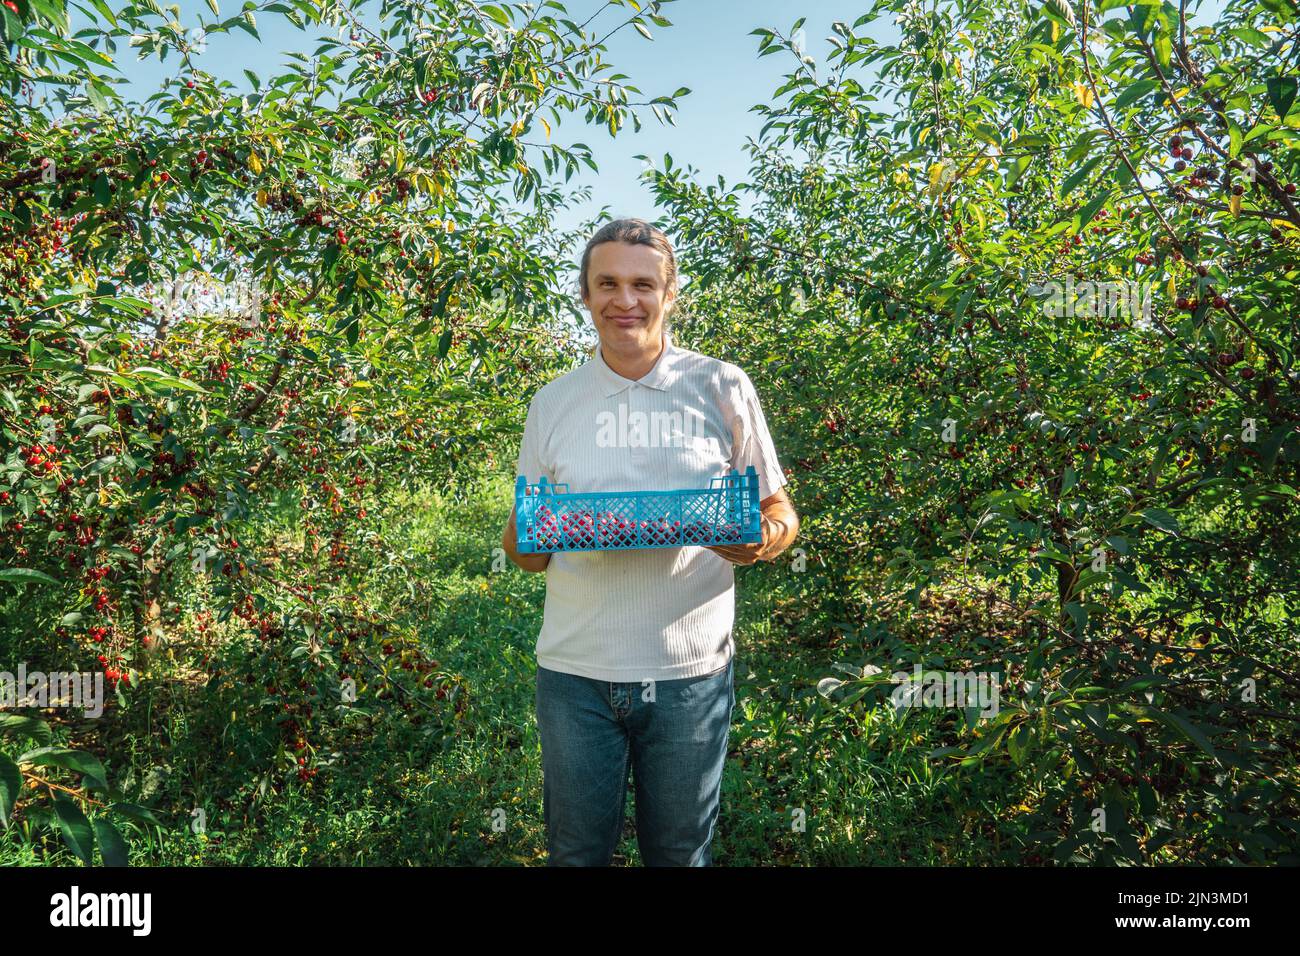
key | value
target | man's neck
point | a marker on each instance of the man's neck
(636, 369)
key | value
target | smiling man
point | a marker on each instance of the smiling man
(635, 656)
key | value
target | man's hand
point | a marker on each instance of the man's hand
(526, 562)
(780, 526)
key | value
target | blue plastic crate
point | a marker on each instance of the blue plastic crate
(549, 518)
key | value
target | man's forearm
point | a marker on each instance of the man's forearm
(525, 562)
(784, 525)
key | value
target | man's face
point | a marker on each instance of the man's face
(627, 296)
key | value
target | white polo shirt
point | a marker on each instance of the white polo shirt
(653, 613)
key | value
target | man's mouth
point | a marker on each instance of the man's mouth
(625, 321)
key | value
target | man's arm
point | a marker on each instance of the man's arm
(527, 562)
(780, 526)
(778, 509)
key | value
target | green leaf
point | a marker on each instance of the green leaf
(137, 813)
(1164, 48)
(961, 305)
(1084, 216)
(444, 344)
(1273, 444)
(1130, 582)
(1079, 614)
(1159, 518)
(1234, 138)
(1184, 727)
(1135, 91)
(1018, 741)
(1062, 9)
(496, 13)
(97, 100)
(103, 464)
(1017, 169)
(77, 833)
(1147, 802)
(111, 845)
(33, 727)
(1281, 93)
(159, 377)
(11, 785)
(212, 5)
(86, 764)
(26, 576)
(1078, 176)
(103, 191)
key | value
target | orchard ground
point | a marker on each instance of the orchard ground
(856, 780)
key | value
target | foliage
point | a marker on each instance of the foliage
(1121, 490)
(380, 308)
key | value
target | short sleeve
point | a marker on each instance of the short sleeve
(751, 440)
(530, 448)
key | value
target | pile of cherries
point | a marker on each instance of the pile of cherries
(576, 530)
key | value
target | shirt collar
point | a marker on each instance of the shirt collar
(660, 377)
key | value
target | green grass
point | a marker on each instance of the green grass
(397, 794)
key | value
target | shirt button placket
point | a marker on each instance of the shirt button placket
(638, 450)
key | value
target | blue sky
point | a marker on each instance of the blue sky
(708, 49)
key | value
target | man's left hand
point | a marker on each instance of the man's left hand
(779, 524)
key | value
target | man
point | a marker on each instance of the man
(635, 665)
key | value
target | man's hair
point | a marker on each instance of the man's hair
(637, 232)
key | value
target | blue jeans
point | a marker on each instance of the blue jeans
(672, 733)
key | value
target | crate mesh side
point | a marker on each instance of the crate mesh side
(626, 520)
